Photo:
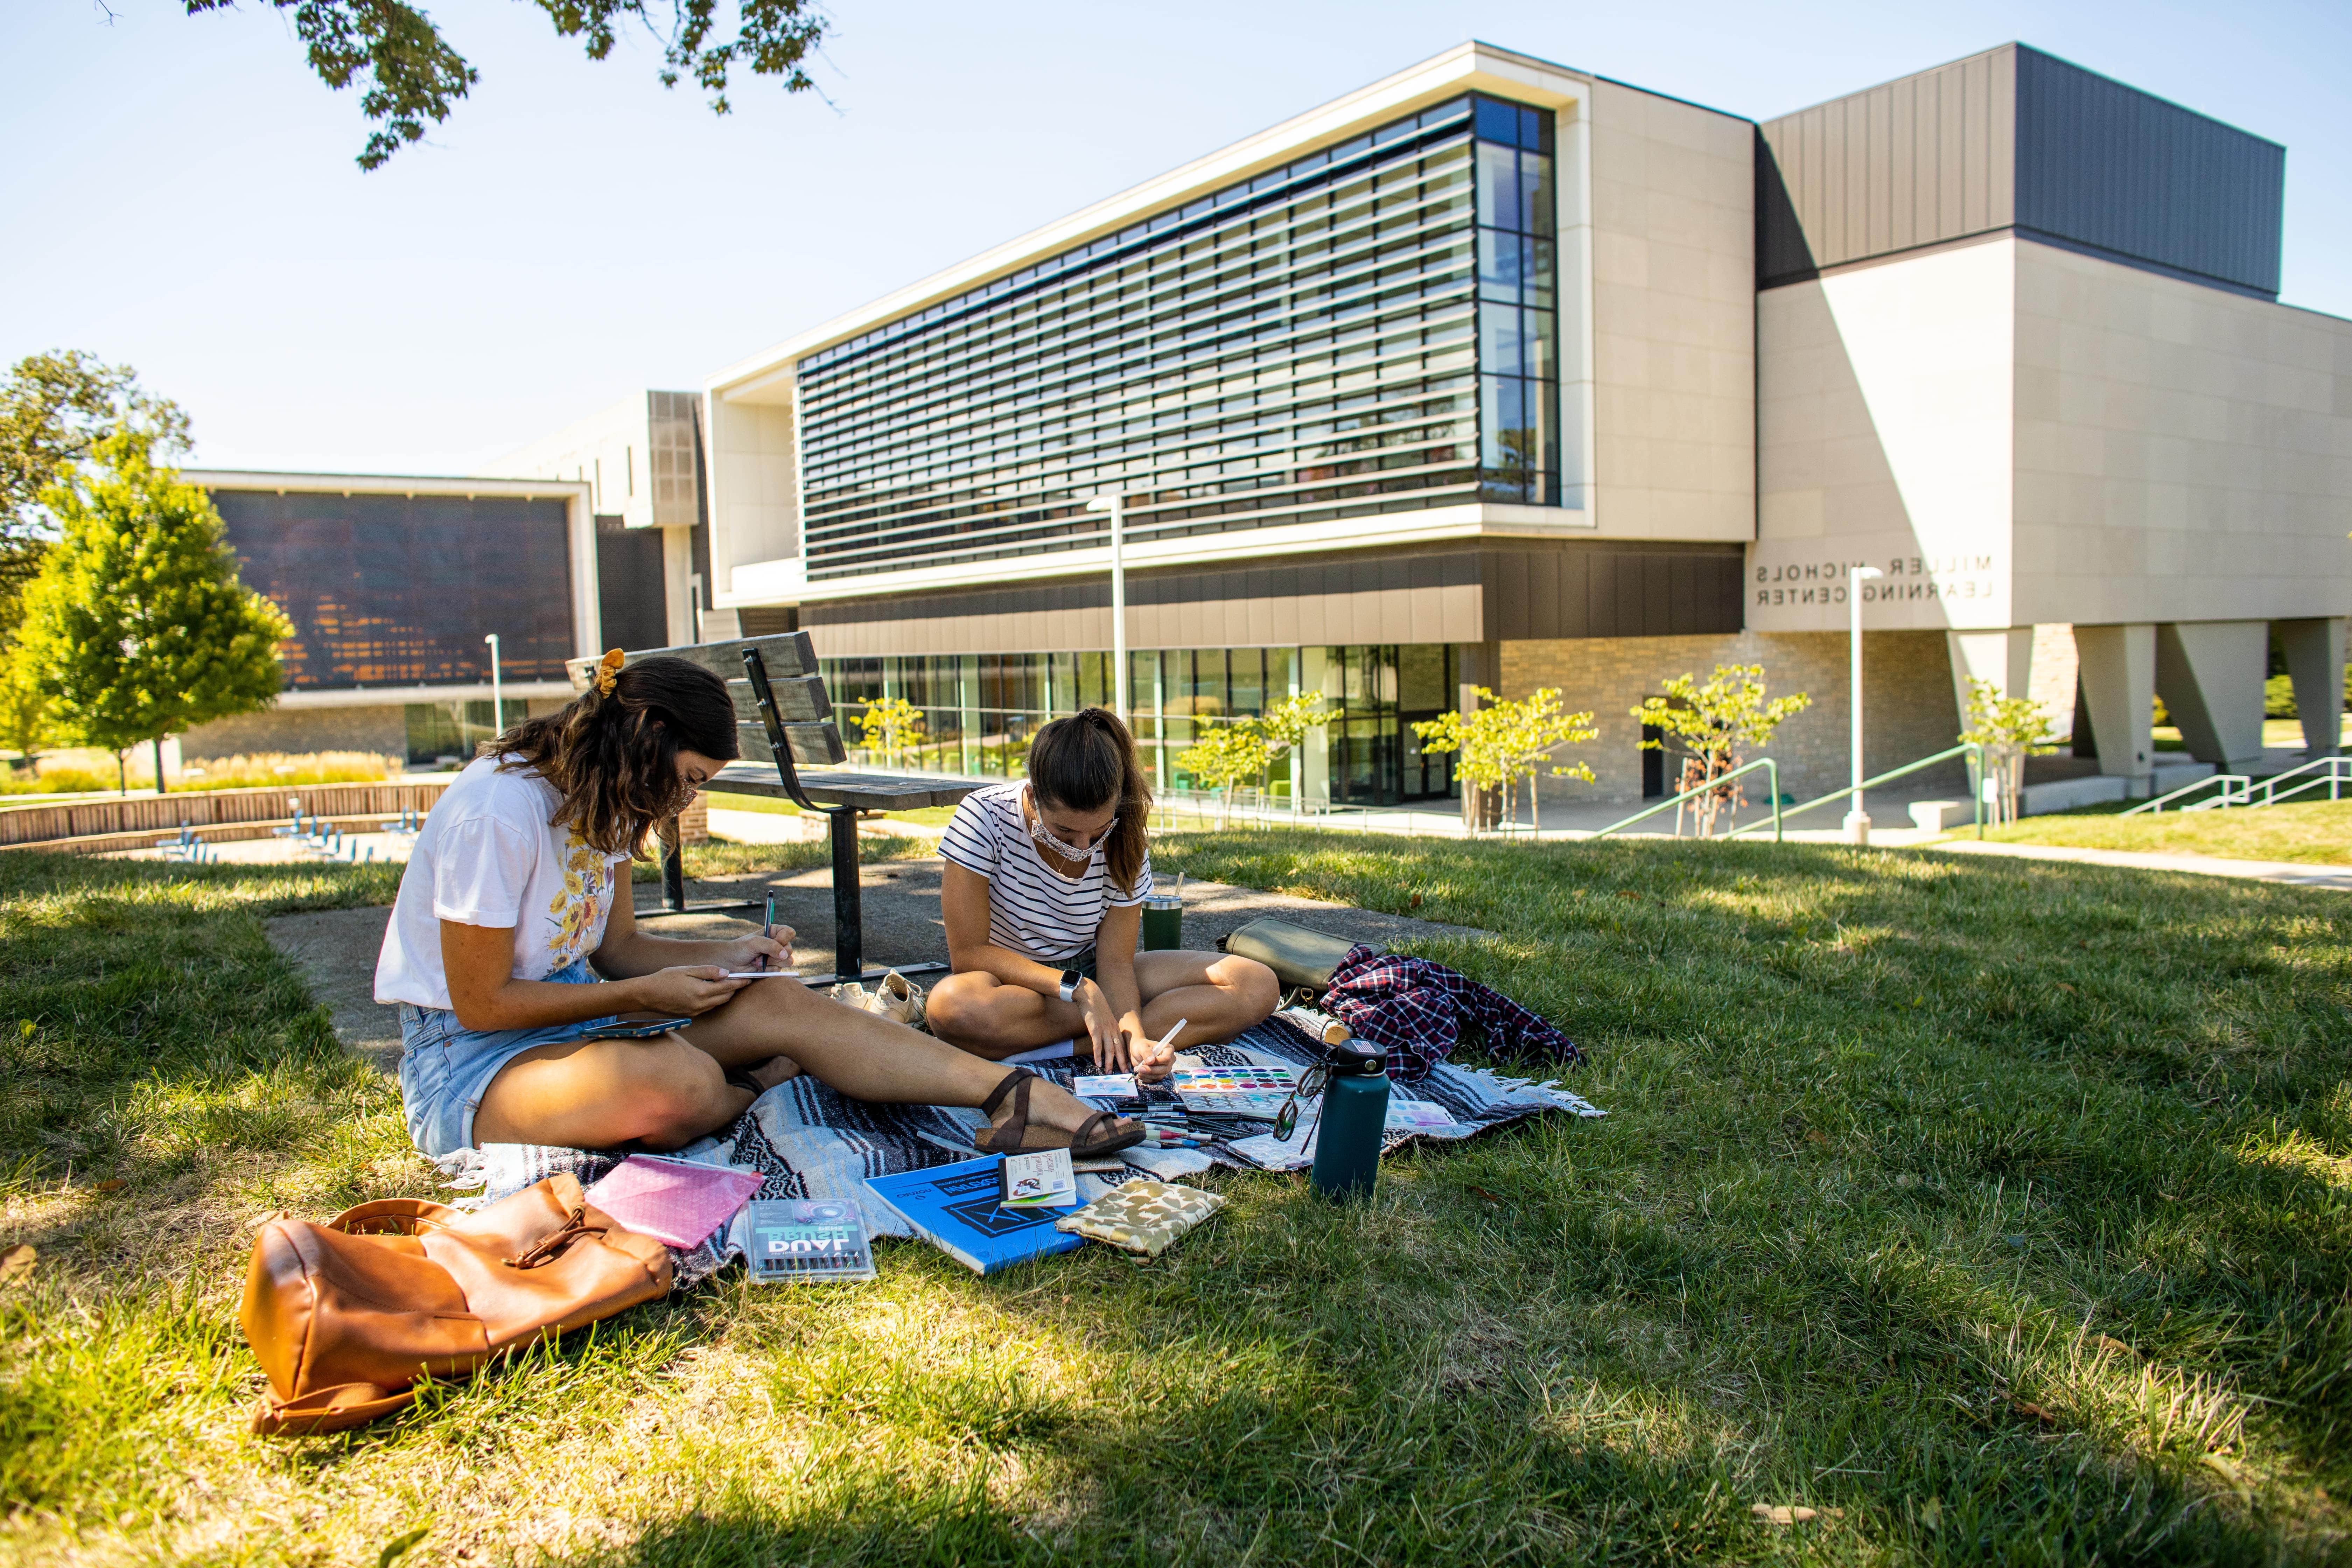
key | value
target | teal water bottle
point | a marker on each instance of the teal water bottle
(1355, 1110)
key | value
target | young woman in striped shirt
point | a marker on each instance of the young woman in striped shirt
(1043, 897)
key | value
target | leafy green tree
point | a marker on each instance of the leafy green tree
(893, 727)
(1224, 756)
(413, 75)
(1503, 742)
(2010, 729)
(52, 407)
(136, 627)
(1719, 722)
(1285, 725)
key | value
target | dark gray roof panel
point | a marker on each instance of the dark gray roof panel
(2015, 137)
(2110, 166)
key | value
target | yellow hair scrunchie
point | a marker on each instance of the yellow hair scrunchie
(608, 671)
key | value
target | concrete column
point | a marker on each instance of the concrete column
(1313, 772)
(2314, 663)
(2118, 665)
(2210, 674)
(2005, 657)
(967, 712)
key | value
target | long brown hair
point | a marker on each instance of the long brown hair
(1083, 762)
(614, 756)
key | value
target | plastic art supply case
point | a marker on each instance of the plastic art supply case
(796, 1241)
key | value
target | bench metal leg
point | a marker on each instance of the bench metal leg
(849, 908)
(673, 865)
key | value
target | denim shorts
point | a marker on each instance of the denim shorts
(446, 1068)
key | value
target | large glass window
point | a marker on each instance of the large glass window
(1518, 314)
(980, 710)
(1304, 346)
(393, 590)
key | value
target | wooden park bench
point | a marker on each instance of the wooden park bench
(784, 722)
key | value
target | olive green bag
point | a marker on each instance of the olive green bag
(1301, 959)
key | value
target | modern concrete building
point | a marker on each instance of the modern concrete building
(642, 460)
(2018, 344)
(1496, 372)
(392, 584)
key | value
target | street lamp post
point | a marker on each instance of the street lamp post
(498, 698)
(1857, 820)
(1115, 503)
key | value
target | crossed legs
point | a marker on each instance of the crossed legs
(664, 1093)
(1217, 995)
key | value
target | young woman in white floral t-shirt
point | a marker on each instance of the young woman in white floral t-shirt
(513, 947)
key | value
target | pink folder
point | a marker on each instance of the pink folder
(676, 1202)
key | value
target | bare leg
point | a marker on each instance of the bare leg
(596, 1094)
(978, 1013)
(1216, 994)
(665, 1092)
(861, 1055)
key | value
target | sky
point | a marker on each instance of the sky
(182, 197)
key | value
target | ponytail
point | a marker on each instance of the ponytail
(1086, 762)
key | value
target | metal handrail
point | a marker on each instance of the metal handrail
(1976, 778)
(2233, 787)
(1767, 763)
(2240, 789)
(2335, 780)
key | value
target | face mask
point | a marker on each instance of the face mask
(1045, 839)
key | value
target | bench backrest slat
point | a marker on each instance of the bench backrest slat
(800, 698)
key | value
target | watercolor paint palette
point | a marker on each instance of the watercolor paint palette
(1256, 1091)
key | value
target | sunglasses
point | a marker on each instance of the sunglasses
(1310, 1084)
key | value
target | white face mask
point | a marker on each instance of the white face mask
(1035, 819)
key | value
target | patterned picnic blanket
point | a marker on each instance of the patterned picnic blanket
(806, 1141)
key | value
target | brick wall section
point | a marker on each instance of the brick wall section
(300, 729)
(1907, 698)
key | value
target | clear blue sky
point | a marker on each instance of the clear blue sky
(180, 191)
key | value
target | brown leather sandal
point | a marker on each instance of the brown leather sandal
(1099, 1135)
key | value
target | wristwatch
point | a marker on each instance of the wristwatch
(1071, 980)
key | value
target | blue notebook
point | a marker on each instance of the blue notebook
(956, 1209)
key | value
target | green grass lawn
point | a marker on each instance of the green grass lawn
(2318, 831)
(1997, 1211)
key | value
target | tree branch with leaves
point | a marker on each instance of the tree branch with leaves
(413, 75)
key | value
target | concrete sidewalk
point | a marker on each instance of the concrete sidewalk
(2293, 872)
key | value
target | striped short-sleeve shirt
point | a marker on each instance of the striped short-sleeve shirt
(1032, 910)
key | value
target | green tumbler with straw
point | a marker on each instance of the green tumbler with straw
(1163, 917)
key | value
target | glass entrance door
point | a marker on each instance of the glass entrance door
(1374, 693)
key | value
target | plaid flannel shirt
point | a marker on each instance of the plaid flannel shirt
(1413, 1010)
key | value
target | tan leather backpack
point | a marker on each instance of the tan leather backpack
(346, 1316)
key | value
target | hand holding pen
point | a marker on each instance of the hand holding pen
(1156, 1059)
